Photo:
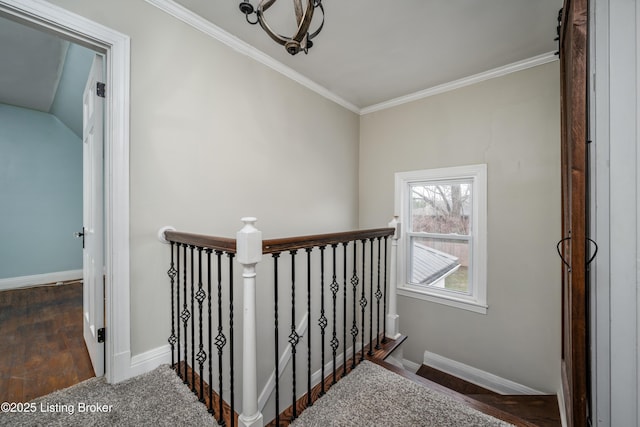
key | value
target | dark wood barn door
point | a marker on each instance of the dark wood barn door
(574, 247)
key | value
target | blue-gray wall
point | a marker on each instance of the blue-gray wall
(40, 194)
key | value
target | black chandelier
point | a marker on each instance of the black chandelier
(302, 39)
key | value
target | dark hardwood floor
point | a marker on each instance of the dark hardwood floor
(41, 344)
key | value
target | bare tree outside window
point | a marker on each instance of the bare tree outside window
(442, 211)
(441, 208)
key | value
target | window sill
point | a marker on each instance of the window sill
(451, 301)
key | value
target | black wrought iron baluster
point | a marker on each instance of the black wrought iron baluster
(209, 340)
(178, 317)
(344, 308)
(354, 285)
(294, 338)
(363, 299)
(334, 291)
(384, 310)
(322, 321)
(378, 298)
(309, 399)
(185, 314)
(370, 352)
(193, 325)
(275, 322)
(172, 338)
(221, 340)
(231, 364)
(201, 357)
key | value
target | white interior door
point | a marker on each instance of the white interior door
(92, 206)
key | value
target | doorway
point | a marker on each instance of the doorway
(42, 140)
(115, 48)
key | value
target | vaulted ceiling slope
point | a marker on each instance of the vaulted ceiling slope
(373, 51)
(43, 72)
(31, 66)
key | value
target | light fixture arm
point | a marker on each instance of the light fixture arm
(301, 40)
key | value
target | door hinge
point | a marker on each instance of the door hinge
(100, 87)
(101, 335)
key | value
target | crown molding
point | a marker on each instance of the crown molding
(196, 21)
(465, 81)
(212, 30)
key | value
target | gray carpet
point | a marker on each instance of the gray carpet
(373, 396)
(158, 398)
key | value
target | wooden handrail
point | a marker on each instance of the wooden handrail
(272, 246)
(210, 242)
(285, 244)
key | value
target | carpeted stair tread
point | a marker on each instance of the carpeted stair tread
(373, 396)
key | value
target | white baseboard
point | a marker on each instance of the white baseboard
(149, 360)
(39, 279)
(476, 376)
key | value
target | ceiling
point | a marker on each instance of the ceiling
(373, 51)
(369, 52)
(31, 66)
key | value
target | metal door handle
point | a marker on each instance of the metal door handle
(79, 234)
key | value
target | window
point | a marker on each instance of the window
(442, 252)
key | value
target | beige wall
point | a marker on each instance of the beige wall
(511, 124)
(216, 136)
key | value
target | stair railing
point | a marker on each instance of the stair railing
(355, 276)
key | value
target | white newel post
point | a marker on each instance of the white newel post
(392, 316)
(249, 253)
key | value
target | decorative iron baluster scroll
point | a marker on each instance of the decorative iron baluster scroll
(210, 407)
(221, 340)
(354, 285)
(344, 308)
(201, 357)
(384, 310)
(193, 326)
(294, 338)
(334, 291)
(172, 338)
(178, 306)
(363, 299)
(378, 298)
(185, 312)
(370, 352)
(309, 340)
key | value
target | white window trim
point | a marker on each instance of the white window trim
(477, 301)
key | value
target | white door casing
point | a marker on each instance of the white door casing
(92, 215)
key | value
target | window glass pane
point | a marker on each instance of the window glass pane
(441, 207)
(440, 263)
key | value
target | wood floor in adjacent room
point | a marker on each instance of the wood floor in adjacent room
(41, 343)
